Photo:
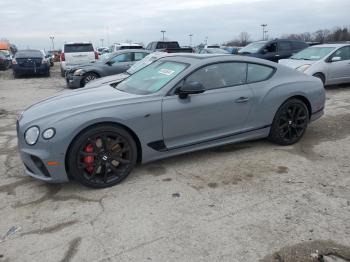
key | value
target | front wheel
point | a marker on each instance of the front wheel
(102, 156)
(88, 77)
(290, 122)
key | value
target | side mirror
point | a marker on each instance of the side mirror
(109, 63)
(335, 59)
(189, 88)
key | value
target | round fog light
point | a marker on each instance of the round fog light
(48, 133)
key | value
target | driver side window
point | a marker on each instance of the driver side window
(220, 75)
(125, 57)
(343, 53)
(271, 48)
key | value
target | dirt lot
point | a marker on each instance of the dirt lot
(247, 202)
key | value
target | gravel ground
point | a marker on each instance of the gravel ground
(245, 202)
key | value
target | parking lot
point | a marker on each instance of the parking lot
(244, 202)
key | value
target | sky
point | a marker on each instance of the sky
(30, 23)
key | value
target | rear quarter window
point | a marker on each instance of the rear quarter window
(76, 48)
(258, 73)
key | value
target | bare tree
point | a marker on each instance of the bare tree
(244, 38)
(321, 35)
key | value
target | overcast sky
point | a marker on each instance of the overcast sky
(29, 23)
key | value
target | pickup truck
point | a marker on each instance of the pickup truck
(168, 47)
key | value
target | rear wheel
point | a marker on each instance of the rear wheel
(88, 77)
(290, 122)
(102, 156)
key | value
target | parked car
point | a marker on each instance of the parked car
(232, 49)
(213, 51)
(75, 54)
(48, 56)
(328, 62)
(102, 50)
(30, 62)
(116, 63)
(115, 79)
(273, 50)
(175, 105)
(168, 47)
(212, 46)
(121, 46)
(5, 60)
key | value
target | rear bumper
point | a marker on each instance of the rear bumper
(31, 70)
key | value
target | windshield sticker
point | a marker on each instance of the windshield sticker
(166, 72)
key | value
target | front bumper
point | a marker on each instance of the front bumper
(38, 160)
(73, 81)
(316, 115)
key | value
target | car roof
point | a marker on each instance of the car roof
(127, 44)
(78, 43)
(130, 51)
(213, 58)
(332, 45)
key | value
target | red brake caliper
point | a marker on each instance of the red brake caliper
(89, 160)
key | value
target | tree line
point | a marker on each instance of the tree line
(338, 34)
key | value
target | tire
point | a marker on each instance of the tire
(15, 75)
(102, 156)
(47, 74)
(89, 76)
(289, 123)
(320, 76)
(63, 73)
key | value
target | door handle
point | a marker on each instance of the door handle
(242, 99)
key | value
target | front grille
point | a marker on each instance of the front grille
(40, 165)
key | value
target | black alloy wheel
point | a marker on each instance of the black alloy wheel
(102, 156)
(89, 77)
(290, 122)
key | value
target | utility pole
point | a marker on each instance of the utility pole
(190, 35)
(101, 42)
(163, 32)
(263, 30)
(206, 40)
(53, 44)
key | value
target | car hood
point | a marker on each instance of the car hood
(107, 80)
(295, 63)
(77, 102)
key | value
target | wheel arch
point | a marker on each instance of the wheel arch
(129, 130)
(304, 99)
(322, 75)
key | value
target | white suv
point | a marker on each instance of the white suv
(120, 46)
(76, 53)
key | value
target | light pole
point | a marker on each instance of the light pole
(206, 40)
(53, 44)
(190, 35)
(163, 32)
(263, 30)
(101, 42)
(266, 36)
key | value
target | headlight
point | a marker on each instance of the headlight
(79, 72)
(49, 133)
(303, 68)
(32, 135)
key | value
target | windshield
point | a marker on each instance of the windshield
(142, 63)
(252, 48)
(151, 78)
(29, 53)
(313, 53)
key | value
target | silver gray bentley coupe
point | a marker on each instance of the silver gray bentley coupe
(174, 105)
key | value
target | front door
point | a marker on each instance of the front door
(339, 70)
(219, 112)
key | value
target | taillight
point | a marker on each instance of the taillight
(14, 62)
(63, 58)
(96, 55)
